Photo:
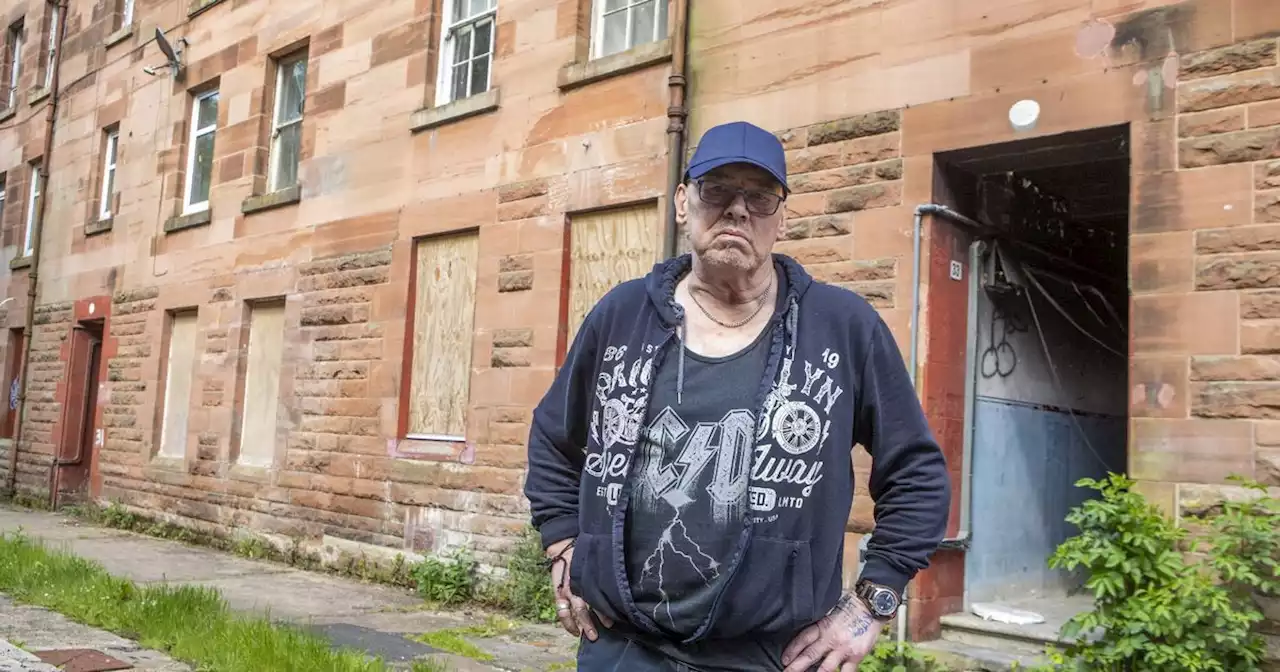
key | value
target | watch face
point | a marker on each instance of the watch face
(884, 602)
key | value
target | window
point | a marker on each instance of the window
(261, 394)
(33, 209)
(204, 122)
(443, 321)
(625, 24)
(52, 46)
(179, 364)
(13, 61)
(286, 126)
(606, 248)
(108, 174)
(126, 13)
(3, 186)
(467, 52)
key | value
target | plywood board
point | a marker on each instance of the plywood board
(444, 330)
(262, 384)
(177, 387)
(606, 248)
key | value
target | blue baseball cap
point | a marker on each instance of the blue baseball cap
(739, 142)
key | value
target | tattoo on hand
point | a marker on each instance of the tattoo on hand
(861, 624)
(850, 605)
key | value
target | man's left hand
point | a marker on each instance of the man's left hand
(839, 641)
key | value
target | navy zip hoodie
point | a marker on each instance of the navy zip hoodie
(834, 379)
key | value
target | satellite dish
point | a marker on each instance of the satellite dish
(166, 47)
(174, 56)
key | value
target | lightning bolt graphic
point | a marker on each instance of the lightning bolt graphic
(655, 563)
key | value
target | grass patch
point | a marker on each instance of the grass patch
(522, 589)
(360, 567)
(454, 640)
(190, 623)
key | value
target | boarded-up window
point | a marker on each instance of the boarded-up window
(443, 325)
(179, 370)
(607, 248)
(262, 384)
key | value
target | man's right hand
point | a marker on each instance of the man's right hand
(573, 612)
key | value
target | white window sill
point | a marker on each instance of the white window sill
(431, 117)
(188, 221)
(577, 74)
(119, 36)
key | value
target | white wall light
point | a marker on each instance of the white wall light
(1024, 114)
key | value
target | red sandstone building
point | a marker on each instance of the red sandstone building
(309, 278)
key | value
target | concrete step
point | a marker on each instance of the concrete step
(970, 630)
(967, 658)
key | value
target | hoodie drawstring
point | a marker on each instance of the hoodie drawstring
(684, 333)
(793, 320)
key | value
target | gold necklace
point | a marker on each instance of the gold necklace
(760, 301)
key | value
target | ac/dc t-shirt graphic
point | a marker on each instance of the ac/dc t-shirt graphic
(689, 483)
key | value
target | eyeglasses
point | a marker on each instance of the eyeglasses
(759, 203)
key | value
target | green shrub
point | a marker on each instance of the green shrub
(886, 657)
(1154, 611)
(447, 580)
(525, 591)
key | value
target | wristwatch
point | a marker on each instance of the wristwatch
(882, 602)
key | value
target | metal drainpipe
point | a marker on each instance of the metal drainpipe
(917, 235)
(37, 230)
(677, 117)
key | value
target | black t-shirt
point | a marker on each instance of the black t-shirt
(689, 483)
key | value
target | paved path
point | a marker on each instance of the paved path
(347, 610)
(24, 629)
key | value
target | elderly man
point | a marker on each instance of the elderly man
(691, 467)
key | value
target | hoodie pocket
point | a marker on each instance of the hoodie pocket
(772, 592)
(591, 574)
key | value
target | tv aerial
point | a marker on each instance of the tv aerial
(173, 56)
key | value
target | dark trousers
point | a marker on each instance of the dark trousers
(621, 649)
(612, 652)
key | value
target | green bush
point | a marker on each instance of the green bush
(447, 580)
(887, 658)
(1154, 611)
(525, 591)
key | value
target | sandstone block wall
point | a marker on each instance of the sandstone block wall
(863, 95)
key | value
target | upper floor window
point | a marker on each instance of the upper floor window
(109, 150)
(204, 125)
(33, 211)
(125, 13)
(619, 25)
(286, 125)
(12, 63)
(52, 48)
(466, 56)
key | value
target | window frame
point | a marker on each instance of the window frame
(126, 13)
(13, 46)
(110, 161)
(449, 32)
(283, 64)
(598, 14)
(194, 134)
(54, 18)
(35, 191)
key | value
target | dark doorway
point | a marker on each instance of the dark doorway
(1047, 402)
(80, 433)
(13, 372)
